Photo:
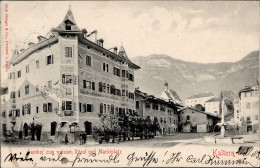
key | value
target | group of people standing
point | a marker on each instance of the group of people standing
(82, 138)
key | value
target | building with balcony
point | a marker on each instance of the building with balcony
(152, 107)
(63, 83)
(249, 108)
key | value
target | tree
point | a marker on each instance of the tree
(148, 124)
(156, 126)
(199, 107)
(230, 106)
(110, 126)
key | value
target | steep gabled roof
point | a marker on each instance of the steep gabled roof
(69, 18)
(172, 95)
(122, 52)
(199, 95)
(175, 95)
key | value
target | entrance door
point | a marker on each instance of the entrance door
(53, 128)
(88, 127)
(38, 130)
(25, 129)
(249, 128)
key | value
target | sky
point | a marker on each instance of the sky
(205, 32)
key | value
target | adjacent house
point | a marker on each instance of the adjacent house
(157, 109)
(249, 108)
(191, 120)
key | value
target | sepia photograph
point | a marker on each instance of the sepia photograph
(130, 84)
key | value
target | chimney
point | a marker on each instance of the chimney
(100, 42)
(84, 31)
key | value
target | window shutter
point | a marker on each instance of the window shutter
(84, 84)
(63, 105)
(63, 78)
(73, 106)
(92, 108)
(74, 80)
(52, 60)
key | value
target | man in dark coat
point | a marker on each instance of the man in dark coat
(66, 139)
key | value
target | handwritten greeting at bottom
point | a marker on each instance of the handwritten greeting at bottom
(235, 156)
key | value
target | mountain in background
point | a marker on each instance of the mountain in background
(186, 78)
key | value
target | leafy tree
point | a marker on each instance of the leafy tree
(199, 107)
(148, 124)
(156, 126)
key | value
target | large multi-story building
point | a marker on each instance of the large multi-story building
(165, 112)
(198, 98)
(64, 82)
(249, 107)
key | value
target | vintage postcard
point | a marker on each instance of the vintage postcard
(130, 84)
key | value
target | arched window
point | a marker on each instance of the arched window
(53, 128)
(100, 86)
(105, 108)
(101, 108)
(108, 108)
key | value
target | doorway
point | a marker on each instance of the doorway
(88, 127)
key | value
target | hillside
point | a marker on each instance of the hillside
(187, 78)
